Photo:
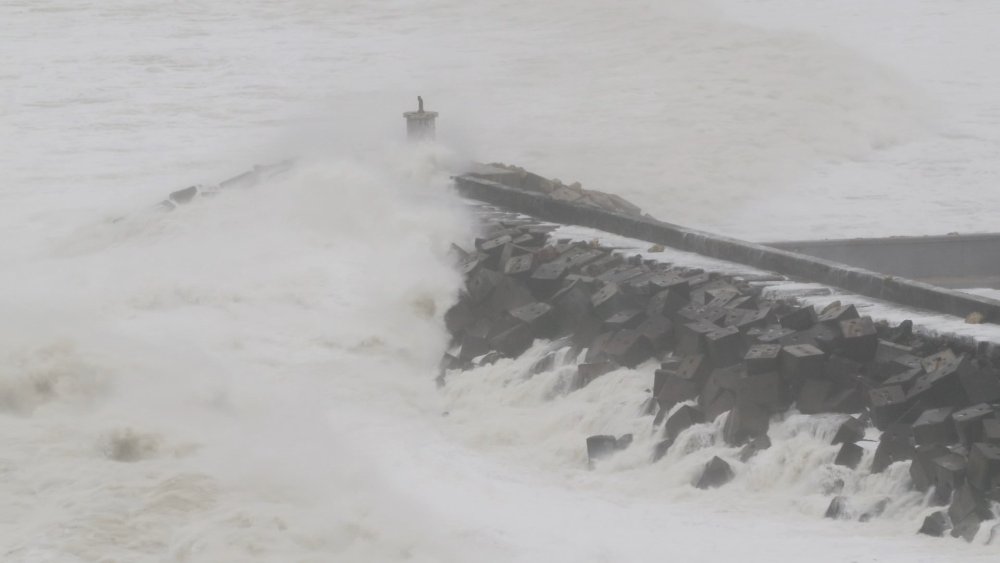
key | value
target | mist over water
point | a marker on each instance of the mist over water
(251, 378)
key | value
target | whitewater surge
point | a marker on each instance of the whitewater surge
(188, 386)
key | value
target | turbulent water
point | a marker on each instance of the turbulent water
(251, 378)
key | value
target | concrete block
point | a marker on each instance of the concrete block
(756, 445)
(547, 279)
(666, 303)
(602, 264)
(849, 455)
(801, 362)
(949, 474)
(812, 396)
(723, 401)
(769, 335)
(626, 318)
(969, 422)
(659, 331)
(691, 337)
(724, 346)
(984, 466)
(833, 316)
(935, 525)
(895, 444)
(887, 405)
(589, 371)
(765, 390)
(837, 509)
(609, 300)
(629, 348)
(670, 281)
(519, 266)
(941, 385)
(850, 431)
(716, 473)
(762, 358)
(906, 379)
(980, 385)
(696, 368)
(539, 316)
(967, 528)
(922, 471)
(745, 421)
(685, 417)
(700, 313)
(480, 284)
(991, 430)
(601, 446)
(799, 318)
(860, 340)
(748, 320)
(935, 426)
(676, 390)
(967, 501)
(514, 341)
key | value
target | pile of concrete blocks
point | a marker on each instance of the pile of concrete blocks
(724, 349)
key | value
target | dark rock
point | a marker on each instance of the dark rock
(860, 340)
(935, 426)
(984, 466)
(851, 430)
(849, 455)
(623, 441)
(935, 525)
(685, 417)
(716, 473)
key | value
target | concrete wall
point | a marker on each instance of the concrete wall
(952, 261)
(857, 280)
